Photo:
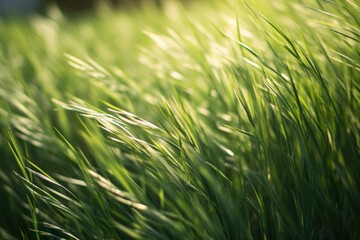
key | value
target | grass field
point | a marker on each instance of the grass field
(214, 120)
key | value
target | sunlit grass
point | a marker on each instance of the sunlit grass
(216, 120)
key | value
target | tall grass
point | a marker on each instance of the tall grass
(222, 120)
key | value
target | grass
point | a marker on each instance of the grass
(221, 120)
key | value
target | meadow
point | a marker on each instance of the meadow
(211, 120)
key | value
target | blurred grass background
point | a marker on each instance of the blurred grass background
(211, 120)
